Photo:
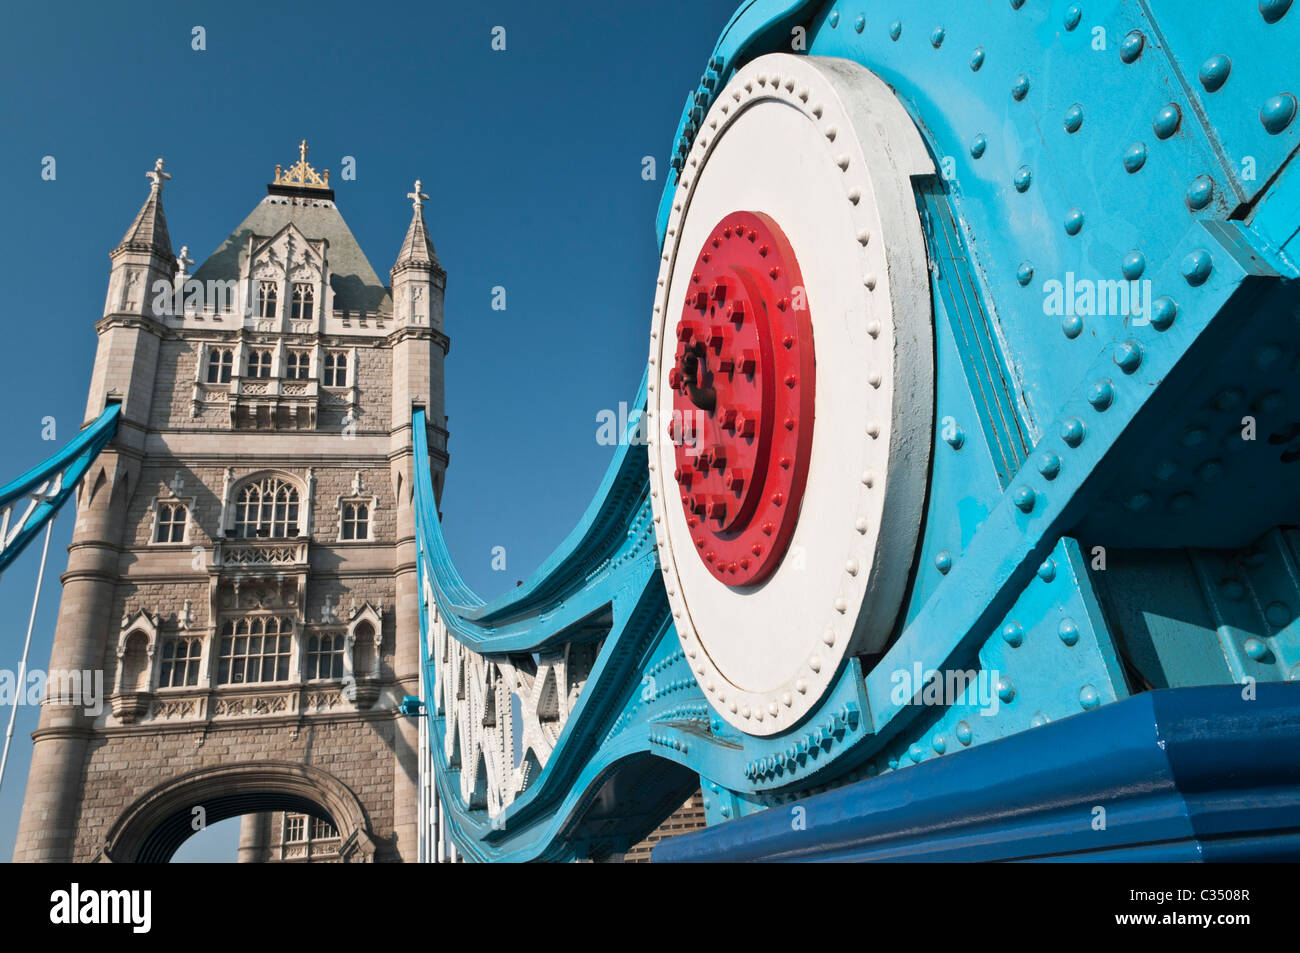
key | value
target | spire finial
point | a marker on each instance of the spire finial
(300, 174)
(157, 175)
(302, 150)
(417, 197)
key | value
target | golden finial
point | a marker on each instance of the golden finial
(301, 174)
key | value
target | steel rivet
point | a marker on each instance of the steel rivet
(1073, 118)
(1089, 698)
(1013, 633)
(1196, 267)
(943, 561)
(977, 59)
(1135, 156)
(1167, 121)
(1130, 47)
(1068, 630)
(1277, 113)
(1101, 394)
(1214, 72)
(1024, 499)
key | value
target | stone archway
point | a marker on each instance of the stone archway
(159, 821)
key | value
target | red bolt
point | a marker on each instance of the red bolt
(789, 423)
(736, 312)
(719, 291)
(687, 329)
(785, 463)
(684, 476)
(783, 302)
(699, 543)
(768, 529)
(726, 232)
(697, 503)
(777, 499)
(757, 550)
(744, 563)
(746, 424)
(788, 341)
(791, 380)
(672, 429)
(708, 557)
(762, 250)
(728, 421)
(674, 381)
(717, 508)
(716, 337)
(699, 300)
(717, 456)
(731, 567)
(726, 364)
(774, 272)
(706, 257)
(734, 479)
(748, 360)
(717, 242)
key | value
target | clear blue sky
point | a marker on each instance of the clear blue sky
(532, 157)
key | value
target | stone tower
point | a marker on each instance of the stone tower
(242, 571)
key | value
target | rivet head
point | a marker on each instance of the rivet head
(977, 59)
(1128, 356)
(915, 753)
(955, 437)
(859, 24)
(834, 19)
(1072, 17)
(1025, 273)
(977, 146)
(1101, 394)
(1138, 501)
(1135, 156)
(1273, 10)
(962, 731)
(1017, 4)
(943, 561)
(1088, 698)
(1196, 267)
(1167, 121)
(896, 29)
(1278, 614)
(1073, 118)
(1200, 192)
(939, 743)
(1068, 630)
(1020, 88)
(1072, 326)
(1013, 633)
(1006, 688)
(1277, 113)
(1130, 48)
(936, 38)
(1072, 431)
(1024, 499)
(1214, 72)
(1163, 312)
(1022, 178)
(1074, 221)
(1047, 570)
(1049, 465)
(1256, 649)
(1133, 265)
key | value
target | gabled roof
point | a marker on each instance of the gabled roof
(356, 286)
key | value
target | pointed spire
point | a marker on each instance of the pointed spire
(148, 233)
(417, 248)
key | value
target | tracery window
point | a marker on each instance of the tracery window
(180, 662)
(325, 656)
(170, 526)
(259, 363)
(298, 365)
(336, 369)
(356, 521)
(267, 299)
(254, 649)
(220, 362)
(266, 508)
(304, 301)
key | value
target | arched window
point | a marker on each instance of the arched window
(267, 508)
(363, 649)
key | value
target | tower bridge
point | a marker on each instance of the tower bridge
(911, 563)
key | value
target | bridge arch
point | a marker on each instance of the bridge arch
(155, 825)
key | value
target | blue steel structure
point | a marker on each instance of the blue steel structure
(32, 500)
(1110, 523)
(1112, 505)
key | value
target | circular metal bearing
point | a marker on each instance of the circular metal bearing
(816, 155)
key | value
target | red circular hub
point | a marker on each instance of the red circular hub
(743, 398)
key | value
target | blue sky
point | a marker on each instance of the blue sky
(532, 157)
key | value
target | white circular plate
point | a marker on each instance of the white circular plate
(824, 148)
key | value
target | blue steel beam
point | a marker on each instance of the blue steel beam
(29, 502)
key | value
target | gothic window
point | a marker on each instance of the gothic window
(325, 657)
(298, 365)
(259, 363)
(254, 649)
(321, 828)
(266, 507)
(266, 299)
(170, 526)
(220, 362)
(295, 828)
(356, 521)
(336, 369)
(180, 662)
(304, 301)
